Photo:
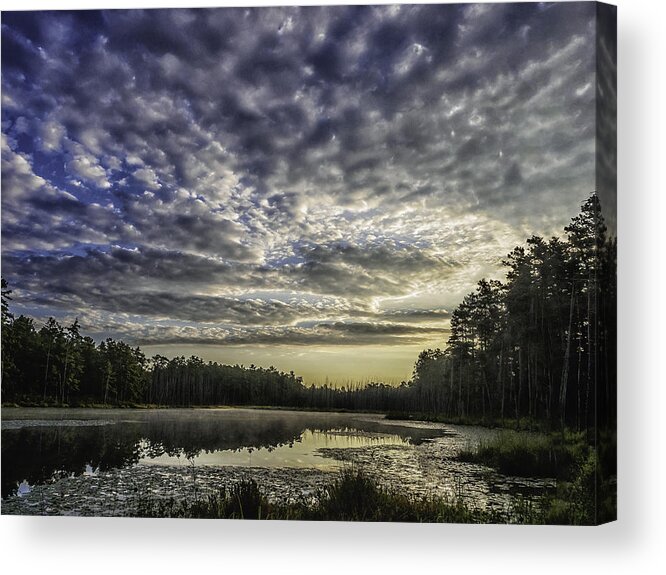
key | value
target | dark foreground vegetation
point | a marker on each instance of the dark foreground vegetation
(532, 455)
(354, 496)
(586, 487)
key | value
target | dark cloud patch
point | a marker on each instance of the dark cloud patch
(337, 269)
(417, 315)
(377, 329)
(117, 268)
(213, 309)
(327, 334)
(347, 269)
(195, 308)
(513, 175)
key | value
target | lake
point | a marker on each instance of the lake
(98, 461)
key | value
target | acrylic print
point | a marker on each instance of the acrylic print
(310, 263)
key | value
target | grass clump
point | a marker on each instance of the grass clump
(242, 500)
(531, 455)
(354, 496)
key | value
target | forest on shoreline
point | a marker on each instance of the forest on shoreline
(540, 345)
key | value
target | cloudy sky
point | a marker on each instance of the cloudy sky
(313, 188)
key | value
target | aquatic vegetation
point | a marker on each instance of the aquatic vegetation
(352, 496)
(531, 455)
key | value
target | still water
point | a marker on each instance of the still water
(96, 462)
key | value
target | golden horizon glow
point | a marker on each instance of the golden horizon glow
(338, 365)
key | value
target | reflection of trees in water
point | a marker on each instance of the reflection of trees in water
(37, 453)
(189, 436)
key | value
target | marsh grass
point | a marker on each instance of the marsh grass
(242, 500)
(352, 496)
(586, 488)
(531, 455)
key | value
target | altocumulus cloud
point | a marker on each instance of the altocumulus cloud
(308, 175)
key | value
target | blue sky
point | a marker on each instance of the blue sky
(314, 188)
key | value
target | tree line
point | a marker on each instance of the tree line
(540, 345)
(58, 365)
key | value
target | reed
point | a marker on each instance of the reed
(554, 455)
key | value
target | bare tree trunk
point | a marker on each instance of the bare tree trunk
(520, 380)
(106, 387)
(460, 399)
(501, 382)
(529, 380)
(46, 372)
(578, 388)
(64, 376)
(450, 398)
(591, 316)
(565, 368)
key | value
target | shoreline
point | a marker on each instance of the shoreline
(511, 424)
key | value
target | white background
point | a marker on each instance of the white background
(634, 544)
